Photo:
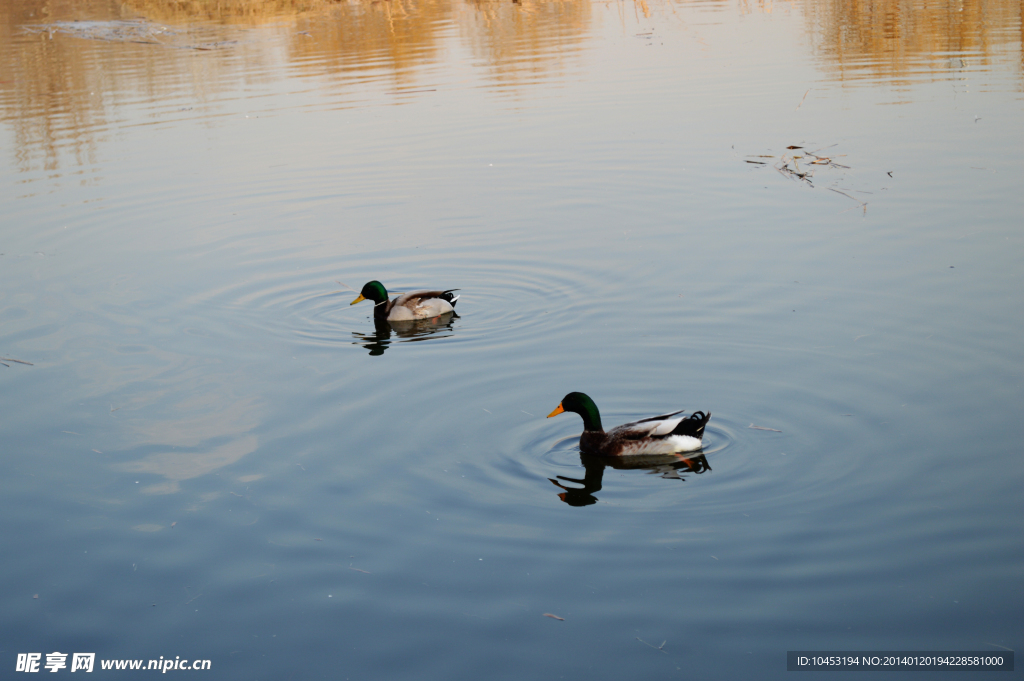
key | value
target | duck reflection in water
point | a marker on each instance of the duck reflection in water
(407, 330)
(668, 466)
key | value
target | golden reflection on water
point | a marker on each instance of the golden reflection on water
(66, 63)
(223, 11)
(898, 41)
(61, 80)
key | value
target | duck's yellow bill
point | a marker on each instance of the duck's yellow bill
(558, 410)
(358, 300)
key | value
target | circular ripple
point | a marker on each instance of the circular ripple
(502, 301)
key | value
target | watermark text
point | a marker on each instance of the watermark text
(85, 662)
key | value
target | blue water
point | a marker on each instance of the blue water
(212, 455)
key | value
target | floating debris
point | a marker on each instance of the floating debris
(661, 647)
(554, 617)
(802, 166)
(798, 166)
(802, 99)
(113, 31)
(140, 32)
(762, 428)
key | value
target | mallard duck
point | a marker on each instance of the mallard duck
(665, 434)
(412, 305)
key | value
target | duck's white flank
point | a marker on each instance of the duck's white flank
(422, 308)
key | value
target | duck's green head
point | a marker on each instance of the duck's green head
(581, 404)
(373, 290)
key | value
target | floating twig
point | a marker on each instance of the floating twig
(863, 205)
(831, 189)
(554, 617)
(19, 361)
(763, 428)
(192, 597)
(802, 99)
(660, 648)
(988, 642)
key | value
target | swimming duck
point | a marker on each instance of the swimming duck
(665, 434)
(412, 305)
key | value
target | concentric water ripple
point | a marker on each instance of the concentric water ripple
(502, 302)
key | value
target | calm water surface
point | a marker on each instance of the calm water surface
(207, 453)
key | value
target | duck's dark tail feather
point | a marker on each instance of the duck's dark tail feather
(693, 425)
(452, 299)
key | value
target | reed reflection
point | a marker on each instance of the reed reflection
(409, 331)
(64, 79)
(62, 84)
(903, 41)
(667, 466)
